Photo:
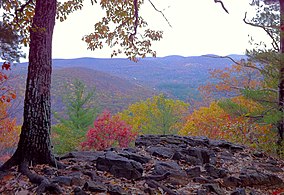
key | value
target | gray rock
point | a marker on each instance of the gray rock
(119, 166)
(194, 172)
(226, 145)
(214, 188)
(161, 151)
(161, 168)
(79, 191)
(200, 153)
(116, 190)
(135, 157)
(215, 172)
(257, 178)
(231, 181)
(95, 187)
(239, 191)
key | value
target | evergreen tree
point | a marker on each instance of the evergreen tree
(79, 116)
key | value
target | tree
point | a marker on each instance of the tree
(108, 131)
(79, 115)
(10, 50)
(157, 115)
(227, 119)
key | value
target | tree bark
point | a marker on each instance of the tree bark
(34, 146)
(281, 81)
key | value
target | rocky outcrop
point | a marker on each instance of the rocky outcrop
(171, 164)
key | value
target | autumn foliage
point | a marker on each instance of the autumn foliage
(108, 131)
(218, 123)
(9, 133)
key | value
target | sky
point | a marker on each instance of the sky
(198, 27)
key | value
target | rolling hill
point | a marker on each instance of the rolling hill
(120, 82)
(112, 93)
(177, 76)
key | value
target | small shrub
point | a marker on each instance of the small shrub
(108, 131)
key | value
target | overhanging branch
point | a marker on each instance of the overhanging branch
(265, 28)
(222, 4)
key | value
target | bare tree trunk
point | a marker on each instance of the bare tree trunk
(281, 81)
(34, 145)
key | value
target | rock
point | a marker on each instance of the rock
(226, 145)
(191, 160)
(136, 157)
(200, 153)
(239, 191)
(177, 176)
(83, 155)
(161, 151)
(193, 172)
(77, 181)
(95, 187)
(119, 166)
(172, 167)
(271, 167)
(116, 190)
(79, 191)
(62, 180)
(215, 172)
(214, 188)
(257, 178)
(231, 181)
(202, 180)
(202, 192)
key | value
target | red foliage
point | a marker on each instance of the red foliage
(6, 66)
(108, 131)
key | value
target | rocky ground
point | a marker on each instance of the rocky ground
(161, 165)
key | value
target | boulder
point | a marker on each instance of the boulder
(119, 166)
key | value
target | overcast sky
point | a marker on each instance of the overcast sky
(198, 27)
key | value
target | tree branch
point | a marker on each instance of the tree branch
(160, 12)
(21, 9)
(265, 28)
(222, 4)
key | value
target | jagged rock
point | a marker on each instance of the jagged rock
(215, 172)
(257, 178)
(119, 166)
(168, 164)
(231, 181)
(161, 151)
(172, 167)
(95, 187)
(135, 157)
(271, 167)
(177, 176)
(83, 155)
(193, 172)
(77, 181)
(239, 191)
(214, 188)
(226, 145)
(116, 190)
(79, 191)
(202, 180)
(202, 154)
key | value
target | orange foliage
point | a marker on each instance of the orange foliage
(216, 123)
(9, 132)
(232, 79)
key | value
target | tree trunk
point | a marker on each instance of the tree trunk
(281, 81)
(34, 145)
